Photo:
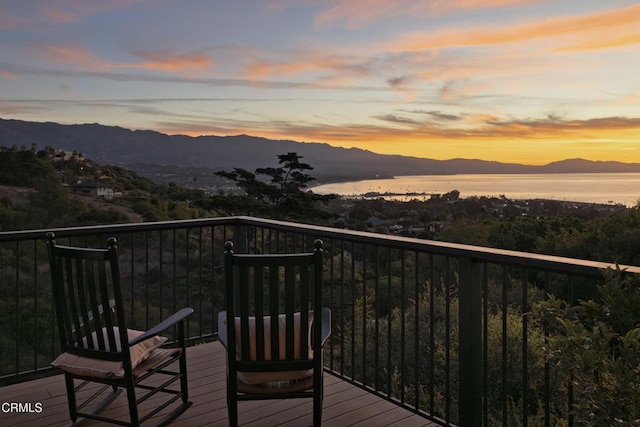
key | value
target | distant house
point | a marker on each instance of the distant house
(375, 222)
(95, 189)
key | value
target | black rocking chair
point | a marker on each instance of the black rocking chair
(97, 346)
(274, 328)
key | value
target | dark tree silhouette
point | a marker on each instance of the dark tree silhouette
(278, 192)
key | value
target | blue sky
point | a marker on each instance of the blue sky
(526, 81)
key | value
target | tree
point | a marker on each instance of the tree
(597, 343)
(279, 192)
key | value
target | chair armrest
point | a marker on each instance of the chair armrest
(170, 321)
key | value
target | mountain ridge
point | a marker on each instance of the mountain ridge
(151, 149)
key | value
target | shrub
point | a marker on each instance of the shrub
(598, 344)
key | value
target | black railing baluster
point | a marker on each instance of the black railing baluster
(341, 305)
(161, 272)
(17, 305)
(36, 292)
(200, 322)
(352, 271)
(174, 269)
(147, 279)
(432, 344)
(331, 282)
(416, 336)
(132, 281)
(525, 352)
(447, 340)
(547, 377)
(505, 305)
(376, 320)
(402, 326)
(389, 318)
(365, 349)
(186, 303)
(485, 346)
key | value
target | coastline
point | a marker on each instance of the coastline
(599, 188)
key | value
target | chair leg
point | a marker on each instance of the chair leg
(232, 403)
(317, 406)
(71, 397)
(232, 406)
(318, 394)
(184, 389)
(133, 403)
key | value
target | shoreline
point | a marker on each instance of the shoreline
(601, 188)
(435, 196)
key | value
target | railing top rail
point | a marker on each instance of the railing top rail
(95, 229)
(477, 253)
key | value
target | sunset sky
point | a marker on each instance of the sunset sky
(527, 81)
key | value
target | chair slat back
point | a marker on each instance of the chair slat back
(272, 299)
(88, 300)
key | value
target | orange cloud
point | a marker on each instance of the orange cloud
(631, 99)
(264, 68)
(7, 75)
(74, 55)
(170, 62)
(606, 41)
(617, 23)
(321, 69)
(69, 11)
(84, 59)
(357, 14)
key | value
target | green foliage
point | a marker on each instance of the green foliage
(598, 344)
(22, 167)
(49, 204)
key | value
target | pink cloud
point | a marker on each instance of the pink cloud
(616, 23)
(172, 62)
(83, 59)
(325, 69)
(7, 75)
(357, 14)
(630, 99)
(69, 11)
(74, 55)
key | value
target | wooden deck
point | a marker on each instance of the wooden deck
(344, 404)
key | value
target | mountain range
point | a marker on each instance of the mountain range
(153, 152)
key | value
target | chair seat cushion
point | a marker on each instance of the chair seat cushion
(266, 377)
(90, 367)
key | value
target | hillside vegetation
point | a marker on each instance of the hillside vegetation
(36, 192)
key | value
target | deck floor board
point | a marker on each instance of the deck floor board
(344, 403)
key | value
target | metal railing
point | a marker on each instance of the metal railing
(441, 329)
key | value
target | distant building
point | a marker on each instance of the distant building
(95, 189)
(375, 222)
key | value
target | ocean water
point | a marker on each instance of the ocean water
(612, 188)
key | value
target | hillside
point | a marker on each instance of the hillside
(50, 188)
(156, 154)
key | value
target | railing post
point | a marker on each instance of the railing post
(241, 239)
(470, 343)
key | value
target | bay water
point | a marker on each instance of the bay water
(605, 188)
